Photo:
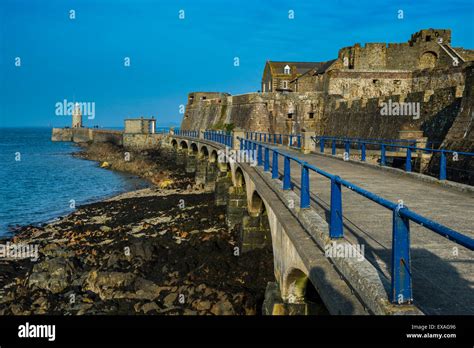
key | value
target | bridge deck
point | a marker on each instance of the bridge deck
(443, 271)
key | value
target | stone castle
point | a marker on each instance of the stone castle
(344, 96)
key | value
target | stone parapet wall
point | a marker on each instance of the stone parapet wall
(141, 141)
(84, 135)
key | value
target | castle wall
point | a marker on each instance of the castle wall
(368, 84)
(362, 118)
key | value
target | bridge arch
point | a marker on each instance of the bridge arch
(239, 178)
(213, 158)
(194, 148)
(256, 205)
(204, 152)
(183, 144)
(298, 288)
(174, 143)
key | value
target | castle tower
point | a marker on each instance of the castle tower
(76, 116)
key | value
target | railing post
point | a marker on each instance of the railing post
(442, 166)
(408, 160)
(259, 155)
(287, 174)
(347, 148)
(321, 145)
(304, 199)
(275, 173)
(281, 140)
(308, 145)
(260, 137)
(291, 140)
(334, 147)
(265, 138)
(401, 271)
(335, 221)
(363, 154)
(298, 141)
(236, 139)
(266, 162)
(382, 155)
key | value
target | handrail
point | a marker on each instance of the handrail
(362, 143)
(292, 140)
(401, 280)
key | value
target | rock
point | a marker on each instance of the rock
(53, 275)
(146, 289)
(169, 299)
(17, 309)
(141, 249)
(202, 305)
(83, 308)
(54, 250)
(150, 306)
(223, 308)
(105, 284)
(105, 228)
(42, 305)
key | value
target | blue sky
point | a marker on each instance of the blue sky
(83, 59)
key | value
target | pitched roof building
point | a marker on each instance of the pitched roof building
(277, 75)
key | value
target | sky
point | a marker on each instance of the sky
(84, 58)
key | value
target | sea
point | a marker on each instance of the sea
(40, 180)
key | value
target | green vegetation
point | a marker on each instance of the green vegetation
(228, 127)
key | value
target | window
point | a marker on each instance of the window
(285, 84)
(311, 114)
(290, 115)
(287, 70)
(203, 98)
(428, 38)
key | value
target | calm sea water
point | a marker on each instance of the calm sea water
(41, 184)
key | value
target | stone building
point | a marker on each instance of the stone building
(380, 69)
(140, 125)
(277, 75)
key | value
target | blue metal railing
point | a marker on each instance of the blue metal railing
(401, 280)
(187, 133)
(385, 145)
(220, 137)
(292, 140)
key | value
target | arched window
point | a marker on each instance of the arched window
(287, 69)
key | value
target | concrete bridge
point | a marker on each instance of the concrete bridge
(346, 237)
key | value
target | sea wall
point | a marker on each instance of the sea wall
(84, 135)
(141, 141)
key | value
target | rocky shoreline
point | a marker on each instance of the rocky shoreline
(160, 250)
